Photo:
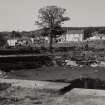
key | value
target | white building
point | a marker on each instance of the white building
(11, 42)
(71, 35)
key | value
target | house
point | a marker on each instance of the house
(18, 42)
(97, 36)
(12, 42)
(71, 35)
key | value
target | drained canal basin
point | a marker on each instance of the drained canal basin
(86, 83)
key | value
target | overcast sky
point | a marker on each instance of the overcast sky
(20, 14)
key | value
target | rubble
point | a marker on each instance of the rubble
(94, 65)
(2, 74)
(71, 63)
(68, 61)
(98, 64)
(102, 64)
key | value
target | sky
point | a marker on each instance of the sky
(20, 15)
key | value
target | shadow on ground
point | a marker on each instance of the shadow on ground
(86, 83)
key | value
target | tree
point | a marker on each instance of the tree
(51, 19)
(88, 32)
(2, 40)
(15, 34)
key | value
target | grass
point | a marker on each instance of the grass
(59, 73)
(26, 96)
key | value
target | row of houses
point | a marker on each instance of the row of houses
(26, 42)
(76, 35)
(71, 35)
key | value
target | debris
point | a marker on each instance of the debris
(80, 65)
(71, 63)
(94, 65)
(2, 74)
(102, 64)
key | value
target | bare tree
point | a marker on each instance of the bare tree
(51, 18)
